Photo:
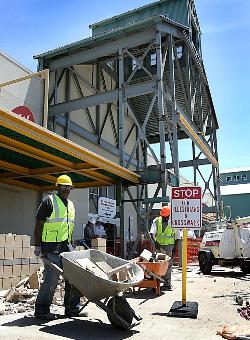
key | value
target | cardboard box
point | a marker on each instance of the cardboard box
(26, 241)
(7, 271)
(2, 240)
(18, 251)
(26, 253)
(99, 244)
(17, 270)
(1, 253)
(18, 240)
(9, 252)
(9, 240)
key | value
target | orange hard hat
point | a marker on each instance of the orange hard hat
(165, 211)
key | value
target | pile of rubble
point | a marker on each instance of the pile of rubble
(21, 298)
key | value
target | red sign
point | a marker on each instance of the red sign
(24, 112)
(186, 192)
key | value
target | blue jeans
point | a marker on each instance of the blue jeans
(48, 287)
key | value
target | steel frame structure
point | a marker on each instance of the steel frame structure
(165, 103)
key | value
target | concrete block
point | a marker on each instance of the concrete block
(1, 284)
(1, 262)
(1, 253)
(25, 261)
(32, 248)
(33, 260)
(14, 281)
(25, 270)
(8, 262)
(17, 270)
(7, 271)
(2, 240)
(33, 268)
(17, 262)
(7, 283)
(26, 253)
(9, 252)
(18, 252)
(26, 241)
(18, 240)
(9, 240)
(1, 272)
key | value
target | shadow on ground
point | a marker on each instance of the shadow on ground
(74, 328)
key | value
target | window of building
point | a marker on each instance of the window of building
(236, 178)
(153, 59)
(179, 51)
(229, 179)
(95, 193)
(244, 177)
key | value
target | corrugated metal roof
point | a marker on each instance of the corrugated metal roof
(115, 33)
(242, 169)
(174, 10)
(235, 189)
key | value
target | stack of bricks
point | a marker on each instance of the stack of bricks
(17, 259)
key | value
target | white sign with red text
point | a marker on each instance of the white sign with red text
(186, 207)
(106, 207)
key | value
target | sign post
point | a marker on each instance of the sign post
(186, 212)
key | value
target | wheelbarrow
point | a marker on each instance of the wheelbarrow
(102, 278)
(153, 273)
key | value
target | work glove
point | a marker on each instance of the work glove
(70, 247)
(157, 245)
(37, 251)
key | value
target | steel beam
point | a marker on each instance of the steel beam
(105, 49)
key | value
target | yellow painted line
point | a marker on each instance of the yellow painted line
(38, 133)
(199, 142)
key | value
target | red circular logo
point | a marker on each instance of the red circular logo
(24, 112)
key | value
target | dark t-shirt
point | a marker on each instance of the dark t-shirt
(45, 210)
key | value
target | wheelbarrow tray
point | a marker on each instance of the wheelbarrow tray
(159, 268)
(92, 286)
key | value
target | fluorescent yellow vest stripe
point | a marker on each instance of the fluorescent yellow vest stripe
(166, 237)
(59, 226)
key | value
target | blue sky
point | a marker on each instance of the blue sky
(29, 27)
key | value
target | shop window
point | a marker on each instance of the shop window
(229, 179)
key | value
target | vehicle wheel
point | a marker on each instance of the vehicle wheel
(245, 267)
(121, 307)
(205, 263)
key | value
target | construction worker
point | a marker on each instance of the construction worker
(53, 235)
(99, 228)
(165, 238)
(89, 232)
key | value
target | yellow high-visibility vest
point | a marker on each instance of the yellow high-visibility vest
(59, 226)
(166, 237)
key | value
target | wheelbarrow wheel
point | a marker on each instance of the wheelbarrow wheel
(120, 307)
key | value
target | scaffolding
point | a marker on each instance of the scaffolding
(141, 73)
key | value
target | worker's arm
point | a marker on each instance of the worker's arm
(38, 232)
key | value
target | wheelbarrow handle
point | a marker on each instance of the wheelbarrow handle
(53, 265)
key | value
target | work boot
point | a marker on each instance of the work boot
(46, 316)
(167, 287)
(73, 312)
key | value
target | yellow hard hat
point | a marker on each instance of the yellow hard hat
(64, 180)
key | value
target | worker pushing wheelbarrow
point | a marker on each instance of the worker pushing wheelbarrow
(102, 278)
